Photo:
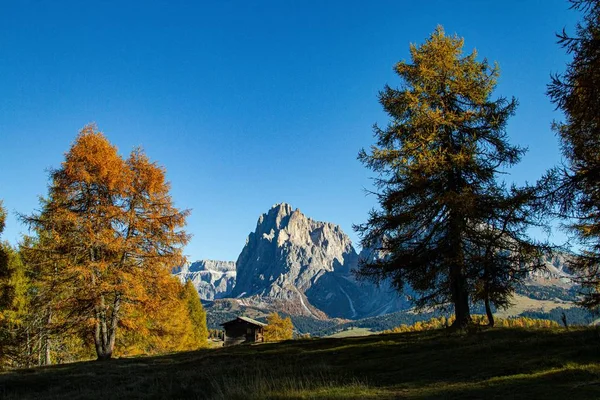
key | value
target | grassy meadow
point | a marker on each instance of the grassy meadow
(352, 332)
(492, 364)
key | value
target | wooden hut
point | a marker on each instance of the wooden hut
(243, 330)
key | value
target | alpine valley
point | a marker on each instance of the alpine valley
(300, 267)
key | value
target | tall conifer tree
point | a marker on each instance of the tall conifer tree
(109, 234)
(197, 315)
(445, 225)
(13, 300)
(575, 186)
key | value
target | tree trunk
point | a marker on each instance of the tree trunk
(104, 347)
(460, 297)
(103, 350)
(114, 320)
(39, 350)
(47, 359)
(106, 330)
(488, 311)
(458, 280)
(457, 223)
(28, 346)
(486, 289)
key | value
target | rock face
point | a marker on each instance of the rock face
(290, 257)
(287, 248)
(556, 273)
(212, 279)
(294, 264)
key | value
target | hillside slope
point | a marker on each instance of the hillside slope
(499, 363)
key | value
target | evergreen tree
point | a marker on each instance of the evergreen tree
(162, 326)
(197, 315)
(4, 266)
(13, 300)
(445, 225)
(108, 236)
(2, 217)
(575, 185)
(49, 320)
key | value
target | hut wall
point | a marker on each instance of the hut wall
(242, 332)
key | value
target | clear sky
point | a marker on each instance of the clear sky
(247, 103)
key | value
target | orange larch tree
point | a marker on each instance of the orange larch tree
(111, 225)
(278, 328)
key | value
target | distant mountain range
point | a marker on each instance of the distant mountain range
(297, 265)
(302, 267)
(212, 279)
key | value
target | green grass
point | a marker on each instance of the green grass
(490, 364)
(352, 332)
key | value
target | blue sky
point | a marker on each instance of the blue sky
(247, 104)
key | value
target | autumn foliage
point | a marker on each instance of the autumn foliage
(278, 328)
(197, 315)
(13, 300)
(107, 238)
(443, 322)
(446, 224)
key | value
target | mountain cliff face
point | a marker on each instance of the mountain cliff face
(212, 279)
(290, 257)
(287, 248)
(294, 264)
(556, 273)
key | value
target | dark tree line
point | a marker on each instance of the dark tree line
(573, 188)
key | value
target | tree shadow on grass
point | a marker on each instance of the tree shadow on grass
(492, 364)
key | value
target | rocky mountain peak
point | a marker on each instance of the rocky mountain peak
(288, 252)
(276, 218)
(306, 264)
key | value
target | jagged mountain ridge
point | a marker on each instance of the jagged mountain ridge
(290, 257)
(212, 279)
(294, 264)
(556, 273)
(297, 265)
(287, 248)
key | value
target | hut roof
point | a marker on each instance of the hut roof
(245, 319)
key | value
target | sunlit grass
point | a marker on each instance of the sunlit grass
(496, 363)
